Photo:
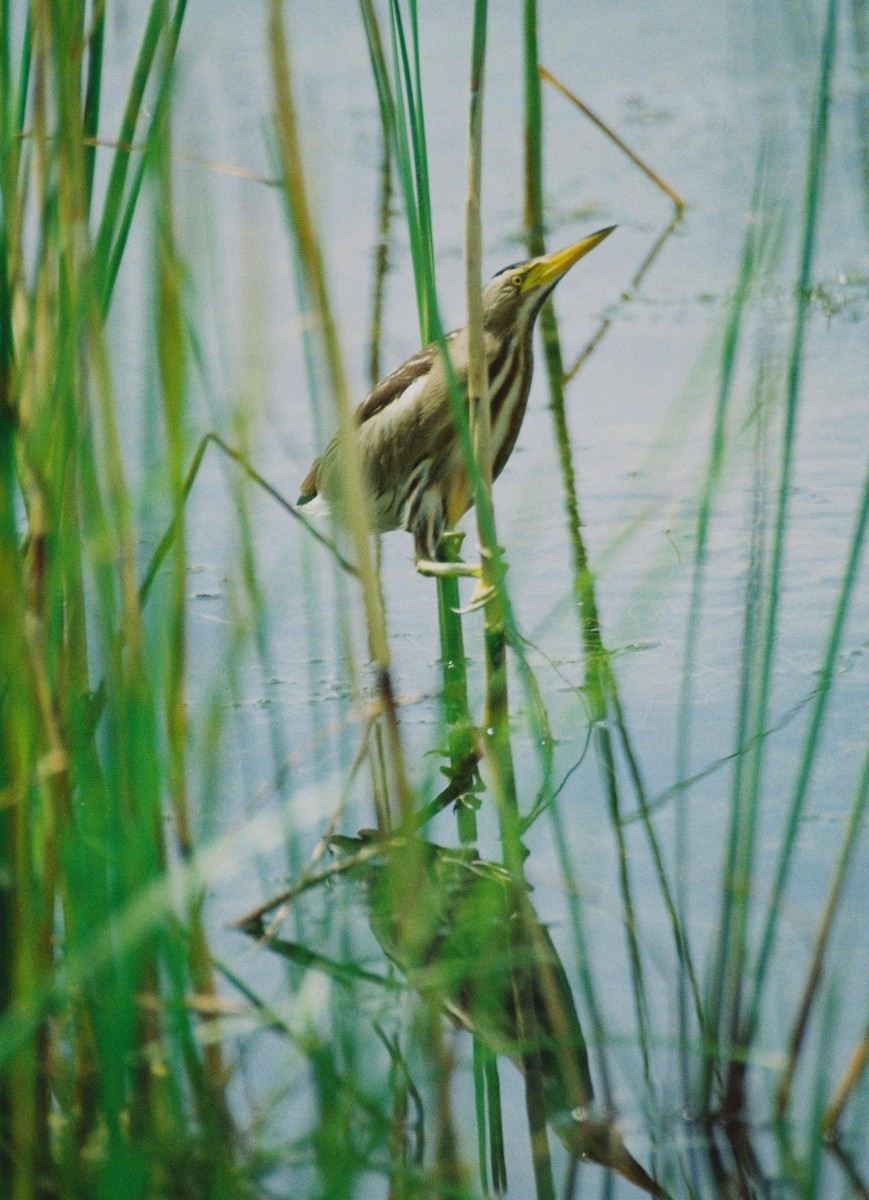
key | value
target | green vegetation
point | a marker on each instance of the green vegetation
(147, 1052)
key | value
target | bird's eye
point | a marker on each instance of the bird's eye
(516, 281)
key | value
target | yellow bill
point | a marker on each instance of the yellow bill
(553, 266)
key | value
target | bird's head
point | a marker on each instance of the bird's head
(515, 295)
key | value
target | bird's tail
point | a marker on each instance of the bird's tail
(314, 506)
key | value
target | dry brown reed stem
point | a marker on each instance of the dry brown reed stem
(196, 160)
(852, 1076)
(478, 379)
(34, 894)
(356, 506)
(449, 1170)
(822, 937)
(98, 699)
(254, 917)
(240, 460)
(381, 262)
(845, 1159)
(626, 296)
(613, 137)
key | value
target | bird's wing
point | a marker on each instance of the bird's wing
(386, 392)
(395, 384)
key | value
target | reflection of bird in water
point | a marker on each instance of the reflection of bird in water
(412, 461)
(472, 944)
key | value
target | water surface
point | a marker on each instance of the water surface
(696, 90)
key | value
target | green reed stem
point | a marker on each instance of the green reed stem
(480, 1110)
(16, 741)
(409, 127)
(725, 980)
(117, 236)
(173, 379)
(534, 218)
(408, 154)
(16, 732)
(534, 226)
(811, 215)
(730, 346)
(529, 1035)
(496, 1128)
(860, 40)
(80, 858)
(810, 747)
(118, 174)
(92, 91)
(406, 136)
(596, 671)
(496, 726)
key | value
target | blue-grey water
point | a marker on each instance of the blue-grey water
(696, 90)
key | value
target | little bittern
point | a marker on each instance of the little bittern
(413, 466)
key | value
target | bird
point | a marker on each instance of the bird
(413, 466)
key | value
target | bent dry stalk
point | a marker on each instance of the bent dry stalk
(359, 523)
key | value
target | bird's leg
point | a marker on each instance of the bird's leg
(481, 594)
(447, 565)
(451, 567)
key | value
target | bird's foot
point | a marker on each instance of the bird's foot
(480, 597)
(447, 570)
(454, 568)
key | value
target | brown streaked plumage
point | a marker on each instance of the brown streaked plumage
(411, 458)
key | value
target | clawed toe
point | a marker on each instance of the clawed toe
(447, 570)
(480, 597)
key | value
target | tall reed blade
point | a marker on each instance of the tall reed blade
(406, 134)
(744, 1030)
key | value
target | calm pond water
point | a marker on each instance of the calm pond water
(696, 89)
